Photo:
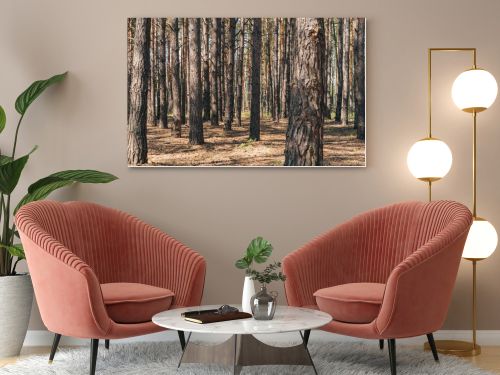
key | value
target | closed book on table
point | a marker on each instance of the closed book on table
(212, 317)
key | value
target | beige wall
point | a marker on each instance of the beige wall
(82, 124)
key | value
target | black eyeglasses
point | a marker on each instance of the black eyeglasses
(226, 309)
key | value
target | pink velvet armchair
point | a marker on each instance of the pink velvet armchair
(99, 273)
(385, 274)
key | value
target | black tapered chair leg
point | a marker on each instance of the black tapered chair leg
(381, 344)
(55, 344)
(94, 346)
(307, 333)
(432, 344)
(106, 344)
(182, 339)
(392, 355)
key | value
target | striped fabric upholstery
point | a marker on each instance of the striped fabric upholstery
(376, 245)
(108, 245)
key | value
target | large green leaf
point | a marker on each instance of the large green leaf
(43, 187)
(42, 193)
(86, 176)
(31, 93)
(15, 250)
(10, 172)
(259, 250)
(3, 119)
(242, 263)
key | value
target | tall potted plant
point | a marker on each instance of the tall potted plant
(16, 291)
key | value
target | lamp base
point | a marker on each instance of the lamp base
(456, 348)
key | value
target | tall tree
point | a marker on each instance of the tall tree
(222, 63)
(340, 75)
(285, 66)
(344, 115)
(269, 66)
(195, 83)
(359, 74)
(230, 39)
(176, 79)
(327, 70)
(214, 108)
(256, 61)
(162, 76)
(130, 55)
(137, 152)
(218, 93)
(276, 113)
(304, 136)
(240, 71)
(151, 117)
(206, 69)
(184, 69)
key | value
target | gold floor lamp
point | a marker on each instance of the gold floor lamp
(430, 159)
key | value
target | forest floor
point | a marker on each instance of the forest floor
(341, 147)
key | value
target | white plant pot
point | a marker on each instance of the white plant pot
(248, 292)
(16, 298)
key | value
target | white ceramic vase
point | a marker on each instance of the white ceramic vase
(248, 292)
(16, 298)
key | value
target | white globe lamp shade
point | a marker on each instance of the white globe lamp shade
(481, 241)
(429, 159)
(474, 90)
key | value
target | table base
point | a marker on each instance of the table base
(246, 350)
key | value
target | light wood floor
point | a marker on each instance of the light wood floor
(488, 360)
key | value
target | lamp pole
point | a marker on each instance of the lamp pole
(454, 347)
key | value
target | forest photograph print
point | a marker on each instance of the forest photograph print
(246, 92)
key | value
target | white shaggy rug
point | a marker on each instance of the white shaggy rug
(162, 358)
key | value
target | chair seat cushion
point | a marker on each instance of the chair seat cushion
(351, 303)
(135, 303)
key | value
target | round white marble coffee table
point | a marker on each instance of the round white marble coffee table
(242, 348)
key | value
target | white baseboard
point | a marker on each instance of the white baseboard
(484, 337)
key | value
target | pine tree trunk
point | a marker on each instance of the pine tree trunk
(206, 69)
(222, 65)
(359, 72)
(276, 114)
(288, 62)
(350, 98)
(151, 83)
(333, 72)
(162, 75)
(214, 108)
(184, 70)
(176, 79)
(283, 37)
(219, 71)
(195, 83)
(270, 81)
(327, 70)
(345, 73)
(340, 76)
(239, 71)
(137, 136)
(169, 70)
(130, 54)
(286, 70)
(256, 60)
(230, 39)
(304, 137)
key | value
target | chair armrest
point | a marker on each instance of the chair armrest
(165, 262)
(419, 289)
(66, 289)
(321, 263)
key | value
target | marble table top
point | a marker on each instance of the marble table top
(286, 319)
